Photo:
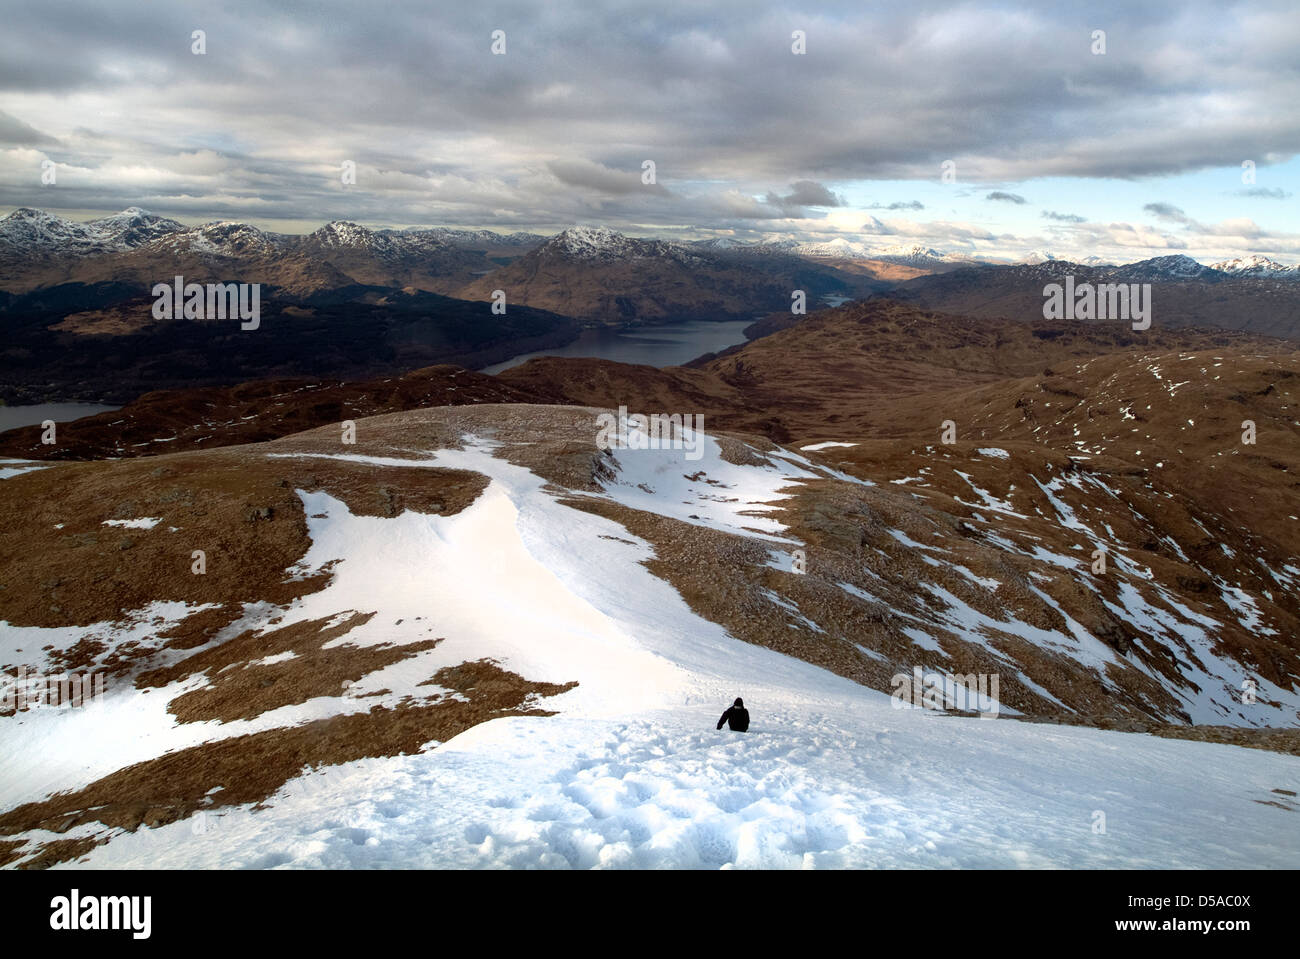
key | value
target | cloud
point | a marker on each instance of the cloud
(1007, 197)
(804, 193)
(1064, 217)
(1265, 193)
(1169, 213)
(734, 203)
(15, 132)
(1137, 235)
(1239, 227)
(899, 205)
(941, 232)
(589, 175)
(876, 228)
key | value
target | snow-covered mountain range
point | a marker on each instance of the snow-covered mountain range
(31, 232)
(36, 233)
(1256, 265)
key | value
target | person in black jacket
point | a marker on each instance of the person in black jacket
(737, 717)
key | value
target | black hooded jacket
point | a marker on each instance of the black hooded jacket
(737, 717)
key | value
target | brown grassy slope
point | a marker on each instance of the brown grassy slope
(1265, 307)
(60, 565)
(861, 368)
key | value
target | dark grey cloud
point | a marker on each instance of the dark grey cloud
(1005, 197)
(802, 194)
(595, 176)
(1064, 217)
(14, 132)
(1168, 212)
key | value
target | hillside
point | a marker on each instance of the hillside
(60, 344)
(363, 604)
(606, 277)
(863, 368)
(1184, 293)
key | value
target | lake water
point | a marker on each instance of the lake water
(12, 417)
(647, 345)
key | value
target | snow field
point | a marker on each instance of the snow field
(847, 782)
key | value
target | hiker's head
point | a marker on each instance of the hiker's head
(739, 703)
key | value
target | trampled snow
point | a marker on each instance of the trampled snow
(836, 779)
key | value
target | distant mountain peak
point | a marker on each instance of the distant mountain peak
(836, 246)
(133, 227)
(29, 213)
(1177, 261)
(588, 239)
(38, 235)
(472, 239)
(1256, 265)
(344, 233)
(226, 238)
(918, 255)
(914, 249)
(602, 243)
(1173, 266)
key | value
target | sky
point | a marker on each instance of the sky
(982, 128)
